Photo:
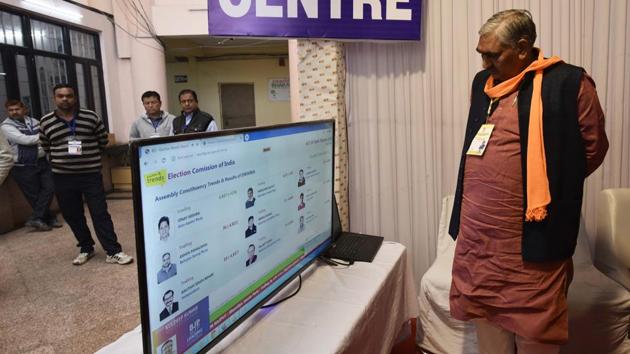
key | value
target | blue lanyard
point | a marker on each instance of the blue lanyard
(156, 122)
(72, 125)
(30, 127)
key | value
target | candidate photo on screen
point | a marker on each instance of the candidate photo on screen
(301, 225)
(251, 228)
(301, 179)
(168, 269)
(250, 198)
(164, 227)
(251, 255)
(169, 347)
(301, 205)
(170, 305)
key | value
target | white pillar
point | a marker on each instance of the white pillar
(148, 70)
(141, 68)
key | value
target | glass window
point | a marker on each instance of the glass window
(10, 29)
(24, 85)
(82, 44)
(47, 36)
(83, 99)
(40, 53)
(50, 71)
(96, 87)
(3, 92)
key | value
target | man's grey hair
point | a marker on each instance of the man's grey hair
(510, 26)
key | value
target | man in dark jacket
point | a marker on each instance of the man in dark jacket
(535, 131)
(192, 120)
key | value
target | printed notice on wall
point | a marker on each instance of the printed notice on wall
(279, 89)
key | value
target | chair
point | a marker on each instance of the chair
(599, 308)
(599, 301)
(437, 331)
(611, 249)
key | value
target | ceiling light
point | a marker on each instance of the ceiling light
(49, 8)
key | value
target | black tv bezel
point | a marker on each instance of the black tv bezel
(139, 224)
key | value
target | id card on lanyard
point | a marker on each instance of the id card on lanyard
(74, 145)
(480, 141)
(30, 127)
(156, 124)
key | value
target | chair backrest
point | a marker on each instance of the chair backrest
(445, 241)
(611, 254)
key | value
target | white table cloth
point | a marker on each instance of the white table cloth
(357, 309)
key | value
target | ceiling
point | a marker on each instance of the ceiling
(205, 48)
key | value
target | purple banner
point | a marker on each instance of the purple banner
(334, 19)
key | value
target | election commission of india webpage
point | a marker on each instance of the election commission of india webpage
(226, 217)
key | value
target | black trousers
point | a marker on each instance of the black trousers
(71, 190)
(36, 183)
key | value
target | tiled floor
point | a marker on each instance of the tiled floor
(50, 306)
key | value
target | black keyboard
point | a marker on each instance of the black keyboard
(355, 247)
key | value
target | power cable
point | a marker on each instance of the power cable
(286, 298)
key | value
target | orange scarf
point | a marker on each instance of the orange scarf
(538, 195)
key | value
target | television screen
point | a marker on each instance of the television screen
(223, 221)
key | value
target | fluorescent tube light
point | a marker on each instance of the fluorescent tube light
(52, 9)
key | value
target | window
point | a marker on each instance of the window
(96, 88)
(11, 29)
(3, 92)
(24, 84)
(50, 72)
(82, 44)
(37, 53)
(81, 82)
(47, 36)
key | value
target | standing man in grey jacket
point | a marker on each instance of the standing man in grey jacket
(154, 122)
(6, 158)
(31, 170)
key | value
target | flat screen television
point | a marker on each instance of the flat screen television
(224, 220)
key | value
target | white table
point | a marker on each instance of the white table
(358, 309)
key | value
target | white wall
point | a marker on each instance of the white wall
(167, 12)
(204, 78)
